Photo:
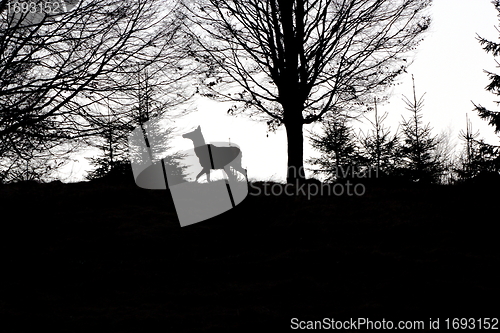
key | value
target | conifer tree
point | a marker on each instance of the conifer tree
(478, 157)
(419, 145)
(340, 152)
(380, 148)
(490, 153)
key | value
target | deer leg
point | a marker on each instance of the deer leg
(242, 170)
(228, 172)
(239, 168)
(201, 173)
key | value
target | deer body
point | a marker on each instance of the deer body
(213, 157)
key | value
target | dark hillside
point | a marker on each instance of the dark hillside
(107, 257)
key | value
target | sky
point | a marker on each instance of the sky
(448, 67)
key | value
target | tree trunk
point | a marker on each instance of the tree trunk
(295, 149)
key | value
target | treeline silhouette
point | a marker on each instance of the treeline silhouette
(411, 154)
(68, 83)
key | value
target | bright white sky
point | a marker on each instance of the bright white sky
(448, 68)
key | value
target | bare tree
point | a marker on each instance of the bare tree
(295, 62)
(467, 168)
(147, 105)
(58, 66)
(444, 155)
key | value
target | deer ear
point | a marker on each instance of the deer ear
(199, 128)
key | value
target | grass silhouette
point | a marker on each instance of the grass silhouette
(112, 257)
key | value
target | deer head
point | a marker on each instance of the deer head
(193, 135)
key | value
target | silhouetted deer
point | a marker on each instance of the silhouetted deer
(213, 157)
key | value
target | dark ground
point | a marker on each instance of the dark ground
(90, 257)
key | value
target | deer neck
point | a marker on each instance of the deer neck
(199, 141)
